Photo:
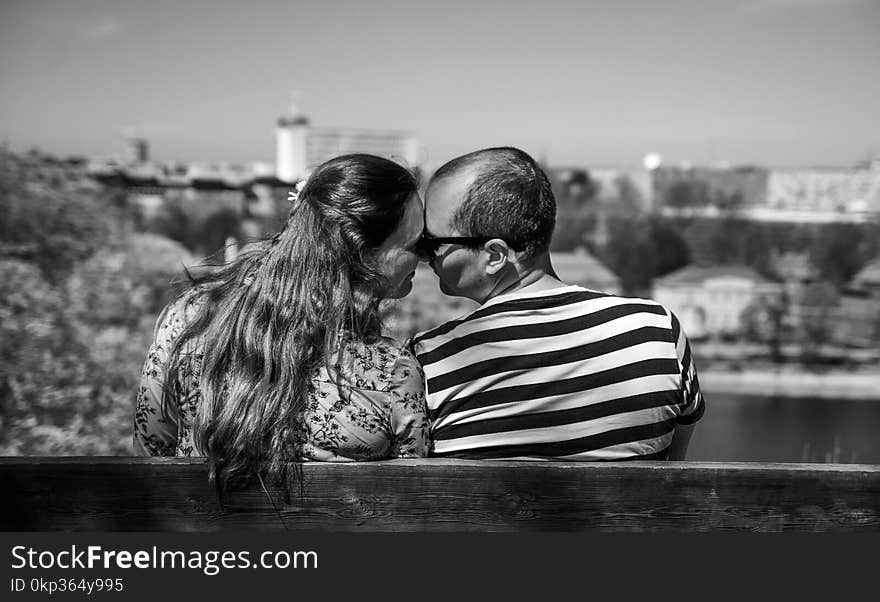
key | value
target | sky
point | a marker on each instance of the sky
(576, 83)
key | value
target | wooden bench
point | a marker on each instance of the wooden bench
(172, 494)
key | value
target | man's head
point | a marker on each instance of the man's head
(496, 212)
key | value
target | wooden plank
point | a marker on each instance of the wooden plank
(171, 494)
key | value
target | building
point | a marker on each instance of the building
(799, 195)
(291, 147)
(326, 143)
(301, 147)
(710, 301)
(824, 195)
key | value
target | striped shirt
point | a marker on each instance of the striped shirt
(567, 373)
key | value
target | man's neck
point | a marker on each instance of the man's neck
(539, 277)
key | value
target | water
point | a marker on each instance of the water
(794, 429)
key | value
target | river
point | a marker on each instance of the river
(751, 428)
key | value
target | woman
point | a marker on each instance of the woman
(278, 356)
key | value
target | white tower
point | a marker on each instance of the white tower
(291, 134)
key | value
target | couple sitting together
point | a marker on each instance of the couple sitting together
(279, 358)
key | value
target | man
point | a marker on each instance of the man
(542, 369)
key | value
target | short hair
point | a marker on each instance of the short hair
(510, 198)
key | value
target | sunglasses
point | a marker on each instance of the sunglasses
(429, 244)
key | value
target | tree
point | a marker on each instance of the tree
(840, 250)
(174, 223)
(211, 234)
(70, 355)
(573, 225)
(53, 229)
(715, 241)
(628, 200)
(670, 249)
(56, 395)
(686, 193)
(575, 209)
(630, 253)
(818, 302)
(764, 321)
(641, 248)
(118, 286)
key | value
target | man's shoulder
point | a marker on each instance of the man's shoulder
(647, 301)
(524, 308)
(643, 308)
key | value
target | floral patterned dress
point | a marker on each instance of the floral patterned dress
(369, 406)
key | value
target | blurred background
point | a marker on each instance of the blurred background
(722, 158)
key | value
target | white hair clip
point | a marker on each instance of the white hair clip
(294, 194)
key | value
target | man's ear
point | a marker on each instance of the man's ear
(498, 255)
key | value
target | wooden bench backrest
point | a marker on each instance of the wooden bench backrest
(173, 494)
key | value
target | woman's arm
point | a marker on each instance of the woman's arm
(155, 430)
(409, 410)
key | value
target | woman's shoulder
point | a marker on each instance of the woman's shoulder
(389, 344)
(380, 353)
(178, 313)
(374, 364)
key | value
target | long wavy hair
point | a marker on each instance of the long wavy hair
(267, 320)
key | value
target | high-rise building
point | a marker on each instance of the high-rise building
(326, 143)
(291, 157)
(301, 147)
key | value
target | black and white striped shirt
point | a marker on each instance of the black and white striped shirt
(567, 373)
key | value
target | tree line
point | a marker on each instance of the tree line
(640, 246)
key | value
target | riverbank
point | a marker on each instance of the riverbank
(788, 382)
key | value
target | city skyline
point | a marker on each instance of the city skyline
(768, 82)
